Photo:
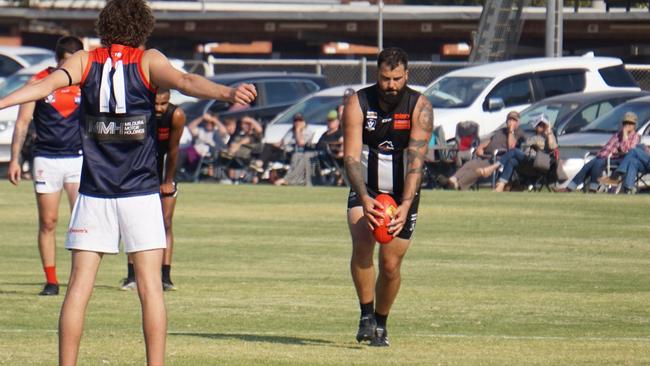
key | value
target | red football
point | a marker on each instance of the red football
(390, 209)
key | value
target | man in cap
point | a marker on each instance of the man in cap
(542, 141)
(635, 161)
(505, 139)
(618, 145)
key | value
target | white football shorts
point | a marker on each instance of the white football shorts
(98, 224)
(51, 173)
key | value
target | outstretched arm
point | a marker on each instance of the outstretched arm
(164, 75)
(44, 87)
(422, 127)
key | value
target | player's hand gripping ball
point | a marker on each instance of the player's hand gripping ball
(390, 209)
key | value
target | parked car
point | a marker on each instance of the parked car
(314, 110)
(14, 58)
(275, 92)
(591, 138)
(569, 113)
(486, 93)
(8, 116)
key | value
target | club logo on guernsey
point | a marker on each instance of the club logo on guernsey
(116, 129)
(371, 120)
(50, 99)
(386, 146)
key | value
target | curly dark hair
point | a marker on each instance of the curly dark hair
(125, 22)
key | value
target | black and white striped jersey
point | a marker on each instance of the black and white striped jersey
(386, 136)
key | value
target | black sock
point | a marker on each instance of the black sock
(130, 272)
(381, 320)
(367, 309)
(166, 268)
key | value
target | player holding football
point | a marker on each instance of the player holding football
(119, 188)
(170, 121)
(387, 128)
(57, 156)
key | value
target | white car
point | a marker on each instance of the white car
(8, 116)
(313, 108)
(14, 58)
(486, 93)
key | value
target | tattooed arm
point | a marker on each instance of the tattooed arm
(352, 145)
(421, 130)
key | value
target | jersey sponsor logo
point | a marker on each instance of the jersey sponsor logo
(402, 116)
(386, 146)
(116, 129)
(163, 133)
(386, 120)
(402, 124)
(50, 99)
(74, 230)
(40, 182)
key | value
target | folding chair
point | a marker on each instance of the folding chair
(467, 140)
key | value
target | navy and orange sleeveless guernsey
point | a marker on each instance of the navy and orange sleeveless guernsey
(56, 121)
(164, 126)
(386, 136)
(118, 133)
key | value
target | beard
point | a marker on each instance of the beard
(390, 98)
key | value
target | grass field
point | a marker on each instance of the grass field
(511, 279)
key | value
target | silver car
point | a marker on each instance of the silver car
(575, 147)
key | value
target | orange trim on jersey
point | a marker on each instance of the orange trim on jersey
(89, 64)
(145, 80)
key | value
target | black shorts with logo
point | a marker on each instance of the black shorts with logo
(409, 225)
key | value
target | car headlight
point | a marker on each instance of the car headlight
(5, 125)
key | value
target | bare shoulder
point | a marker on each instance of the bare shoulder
(179, 116)
(153, 54)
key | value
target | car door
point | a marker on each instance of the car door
(8, 66)
(515, 93)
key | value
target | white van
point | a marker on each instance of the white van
(486, 93)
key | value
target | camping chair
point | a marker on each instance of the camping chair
(438, 160)
(467, 140)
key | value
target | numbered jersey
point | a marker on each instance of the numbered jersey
(56, 122)
(386, 136)
(118, 131)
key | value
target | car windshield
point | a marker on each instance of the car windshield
(455, 91)
(36, 58)
(554, 111)
(611, 122)
(13, 82)
(313, 109)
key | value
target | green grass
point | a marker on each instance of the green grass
(510, 279)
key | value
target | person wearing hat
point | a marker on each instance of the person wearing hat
(635, 161)
(542, 141)
(505, 139)
(298, 142)
(330, 145)
(618, 145)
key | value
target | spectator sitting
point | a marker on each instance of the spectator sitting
(210, 137)
(241, 144)
(330, 145)
(618, 145)
(542, 141)
(298, 140)
(635, 161)
(505, 139)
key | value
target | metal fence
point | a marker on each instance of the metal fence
(346, 72)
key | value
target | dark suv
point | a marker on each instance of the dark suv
(276, 91)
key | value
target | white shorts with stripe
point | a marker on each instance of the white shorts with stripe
(51, 173)
(98, 224)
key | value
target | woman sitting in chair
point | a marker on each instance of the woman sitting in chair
(542, 142)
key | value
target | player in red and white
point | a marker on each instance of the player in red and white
(119, 189)
(57, 156)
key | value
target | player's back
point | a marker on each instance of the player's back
(119, 130)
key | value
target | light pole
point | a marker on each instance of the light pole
(380, 25)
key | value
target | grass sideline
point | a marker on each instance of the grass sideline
(491, 279)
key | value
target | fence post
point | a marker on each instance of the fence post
(363, 65)
(319, 67)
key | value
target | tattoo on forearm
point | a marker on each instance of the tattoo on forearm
(354, 170)
(426, 118)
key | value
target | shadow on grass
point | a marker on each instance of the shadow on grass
(266, 339)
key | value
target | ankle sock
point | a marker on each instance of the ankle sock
(50, 275)
(367, 309)
(130, 272)
(381, 320)
(166, 269)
